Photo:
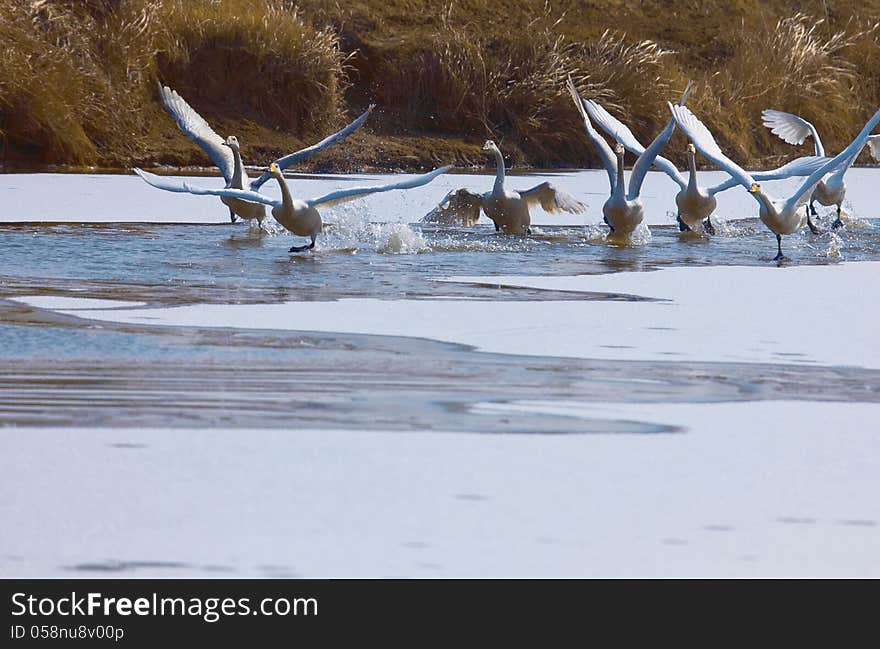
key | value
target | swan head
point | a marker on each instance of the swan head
(274, 169)
(231, 142)
(755, 188)
(490, 146)
(618, 149)
(691, 148)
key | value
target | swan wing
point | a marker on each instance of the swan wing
(791, 128)
(798, 167)
(308, 152)
(620, 132)
(845, 157)
(552, 199)
(181, 186)
(198, 130)
(705, 143)
(606, 155)
(458, 207)
(344, 195)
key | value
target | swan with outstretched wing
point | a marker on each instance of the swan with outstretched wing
(226, 153)
(831, 190)
(508, 209)
(780, 216)
(299, 216)
(623, 211)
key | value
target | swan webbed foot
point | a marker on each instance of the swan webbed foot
(682, 226)
(813, 228)
(528, 230)
(708, 227)
(837, 222)
(308, 246)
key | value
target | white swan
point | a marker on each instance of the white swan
(299, 216)
(780, 216)
(226, 154)
(695, 203)
(831, 190)
(508, 209)
(623, 211)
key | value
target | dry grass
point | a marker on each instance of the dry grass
(79, 77)
(797, 65)
(512, 86)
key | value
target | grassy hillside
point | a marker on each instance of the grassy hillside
(77, 77)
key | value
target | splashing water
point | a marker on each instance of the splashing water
(350, 229)
(832, 250)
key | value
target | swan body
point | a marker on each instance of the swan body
(831, 189)
(780, 216)
(508, 209)
(226, 154)
(299, 216)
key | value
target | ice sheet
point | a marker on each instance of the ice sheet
(747, 489)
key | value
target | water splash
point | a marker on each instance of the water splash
(349, 229)
(832, 250)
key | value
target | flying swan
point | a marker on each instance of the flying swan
(695, 203)
(780, 216)
(623, 211)
(299, 216)
(831, 190)
(508, 209)
(226, 154)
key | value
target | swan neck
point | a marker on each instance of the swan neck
(237, 169)
(692, 169)
(499, 173)
(286, 199)
(618, 185)
(765, 201)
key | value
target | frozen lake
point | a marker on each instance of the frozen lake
(179, 396)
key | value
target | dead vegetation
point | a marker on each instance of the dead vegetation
(77, 78)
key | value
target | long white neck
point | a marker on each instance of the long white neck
(499, 173)
(765, 201)
(237, 169)
(619, 189)
(692, 168)
(286, 199)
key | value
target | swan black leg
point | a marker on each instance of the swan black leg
(837, 223)
(231, 215)
(813, 228)
(708, 227)
(308, 246)
(682, 226)
(779, 256)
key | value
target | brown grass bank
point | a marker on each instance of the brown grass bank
(77, 78)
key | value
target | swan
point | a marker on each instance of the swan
(831, 190)
(780, 216)
(226, 154)
(508, 209)
(695, 203)
(299, 216)
(623, 211)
